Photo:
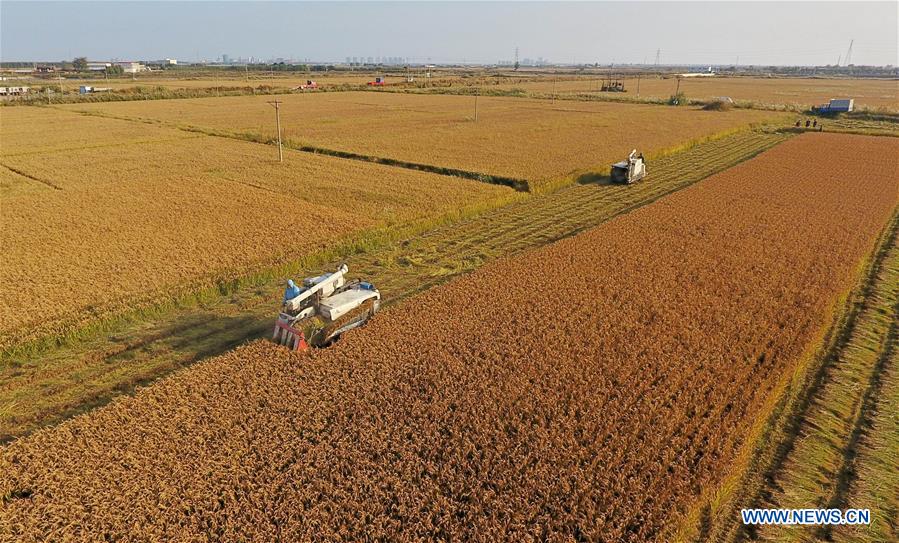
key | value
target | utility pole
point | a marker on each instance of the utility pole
(246, 71)
(477, 93)
(638, 84)
(554, 90)
(277, 105)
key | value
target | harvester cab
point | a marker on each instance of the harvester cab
(325, 307)
(629, 171)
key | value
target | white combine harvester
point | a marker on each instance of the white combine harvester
(326, 307)
(629, 171)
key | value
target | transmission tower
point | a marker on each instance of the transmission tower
(658, 54)
(516, 57)
(848, 59)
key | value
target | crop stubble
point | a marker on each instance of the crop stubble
(618, 373)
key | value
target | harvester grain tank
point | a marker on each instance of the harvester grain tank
(324, 308)
(629, 171)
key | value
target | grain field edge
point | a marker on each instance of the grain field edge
(714, 516)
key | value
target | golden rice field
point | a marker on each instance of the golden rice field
(513, 137)
(111, 224)
(618, 380)
(875, 93)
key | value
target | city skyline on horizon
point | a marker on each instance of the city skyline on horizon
(603, 33)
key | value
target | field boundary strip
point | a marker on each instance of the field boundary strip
(26, 175)
(715, 515)
(102, 145)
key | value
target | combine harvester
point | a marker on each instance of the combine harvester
(323, 309)
(629, 171)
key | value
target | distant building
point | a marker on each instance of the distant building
(98, 66)
(226, 59)
(14, 91)
(131, 67)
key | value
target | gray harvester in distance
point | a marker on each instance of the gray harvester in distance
(629, 171)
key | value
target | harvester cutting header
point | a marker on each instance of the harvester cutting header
(322, 309)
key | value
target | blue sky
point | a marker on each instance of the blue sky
(702, 33)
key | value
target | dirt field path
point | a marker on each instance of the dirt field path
(53, 386)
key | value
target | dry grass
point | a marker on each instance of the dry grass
(524, 139)
(671, 328)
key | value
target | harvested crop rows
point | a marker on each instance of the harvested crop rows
(619, 373)
(513, 137)
(847, 442)
(112, 224)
